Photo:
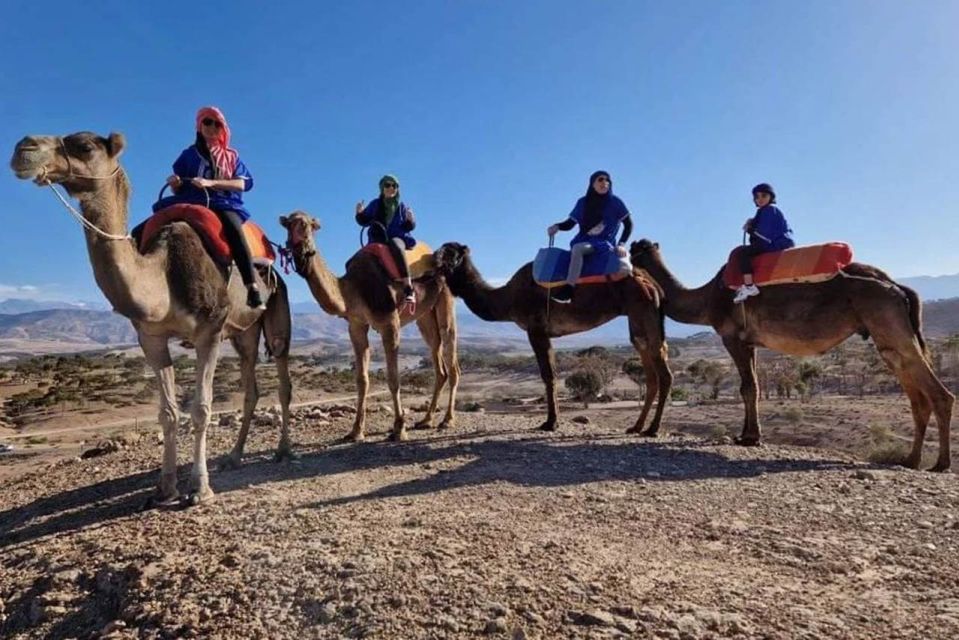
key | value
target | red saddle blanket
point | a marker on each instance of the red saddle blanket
(813, 263)
(420, 259)
(210, 228)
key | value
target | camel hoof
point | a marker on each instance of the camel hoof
(547, 426)
(353, 437)
(398, 436)
(422, 425)
(446, 424)
(285, 455)
(649, 433)
(748, 442)
(634, 429)
(940, 467)
(229, 463)
(158, 501)
(195, 498)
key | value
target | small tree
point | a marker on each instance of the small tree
(585, 384)
(633, 368)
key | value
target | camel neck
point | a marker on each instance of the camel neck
(689, 306)
(489, 303)
(325, 287)
(120, 270)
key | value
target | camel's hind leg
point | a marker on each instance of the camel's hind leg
(278, 330)
(543, 349)
(207, 353)
(744, 356)
(246, 345)
(359, 336)
(431, 336)
(157, 353)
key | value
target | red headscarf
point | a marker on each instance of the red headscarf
(224, 158)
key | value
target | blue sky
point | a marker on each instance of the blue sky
(493, 114)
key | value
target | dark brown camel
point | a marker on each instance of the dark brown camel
(524, 303)
(174, 290)
(809, 319)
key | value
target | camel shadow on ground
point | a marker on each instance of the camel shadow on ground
(459, 460)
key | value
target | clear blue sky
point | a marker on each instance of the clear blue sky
(493, 114)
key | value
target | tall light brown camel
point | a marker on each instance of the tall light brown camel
(175, 290)
(809, 319)
(524, 303)
(366, 297)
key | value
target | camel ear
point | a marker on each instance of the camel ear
(284, 222)
(656, 245)
(115, 144)
(314, 224)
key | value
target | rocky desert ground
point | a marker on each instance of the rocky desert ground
(493, 529)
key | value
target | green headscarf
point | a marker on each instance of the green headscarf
(390, 205)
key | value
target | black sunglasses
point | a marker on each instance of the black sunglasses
(210, 122)
(390, 185)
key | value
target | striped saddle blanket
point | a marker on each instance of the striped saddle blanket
(552, 264)
(420, 259)
(813, 263)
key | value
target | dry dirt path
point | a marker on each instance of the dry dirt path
(490, 529)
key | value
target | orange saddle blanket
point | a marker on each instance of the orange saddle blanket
(210, 228)
(813, 263)
(420, 259)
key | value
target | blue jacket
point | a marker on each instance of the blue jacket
(614, 212)
(400, 226)
(191, 164)
(769, 230)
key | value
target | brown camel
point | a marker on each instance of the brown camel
(366, 297)
(810, 319)
(175, 290)
(524, 303)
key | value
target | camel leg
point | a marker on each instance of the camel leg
(431, 336)
(391, 351)
(446, 319)
(157, 353)
(652, 390)
(665, 385)
(359, 336)
(543, 349)
(245, 345)
(277, 330)
(744, 356)
(207, 353)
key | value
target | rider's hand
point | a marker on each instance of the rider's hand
(748, 224)
(359, 207)
(621, 251)
(552, 229)
(201, 183)
(174, 181)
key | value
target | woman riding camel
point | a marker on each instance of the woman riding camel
(598, 214)
(390, 222)
(768, 231)
(210, 169)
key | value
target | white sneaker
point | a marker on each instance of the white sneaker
(744, 292)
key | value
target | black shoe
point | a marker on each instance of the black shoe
(410, 295)
(253, 299)
(563, 295)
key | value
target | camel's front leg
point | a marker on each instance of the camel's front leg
(359, 336)
(744, 356)
(446, 322)
(391, 350)
(652, 390)
(207, 353)
(284, 449)
(157, 353)
(428, 329)
(543, 349)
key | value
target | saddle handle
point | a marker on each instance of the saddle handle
(166, 186)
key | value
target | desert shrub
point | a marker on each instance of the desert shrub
(678, 393)
(585, 385)
(886, 447)
(793, 414)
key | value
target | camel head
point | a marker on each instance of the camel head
(76, 161)
(450, 257)
(300, 227)
(644, 253)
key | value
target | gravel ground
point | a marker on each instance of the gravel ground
(487, 529)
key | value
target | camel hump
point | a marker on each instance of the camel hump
(420, 259)
(808, 264)
(552, 264)
(209, 227)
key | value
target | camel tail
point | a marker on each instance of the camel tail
(915, 316)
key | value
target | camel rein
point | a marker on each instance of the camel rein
(70, 208)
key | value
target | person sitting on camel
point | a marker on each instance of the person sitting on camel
(598, 214)
(768, 231)
(390, 222)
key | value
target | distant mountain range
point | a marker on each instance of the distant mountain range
(78, 326)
